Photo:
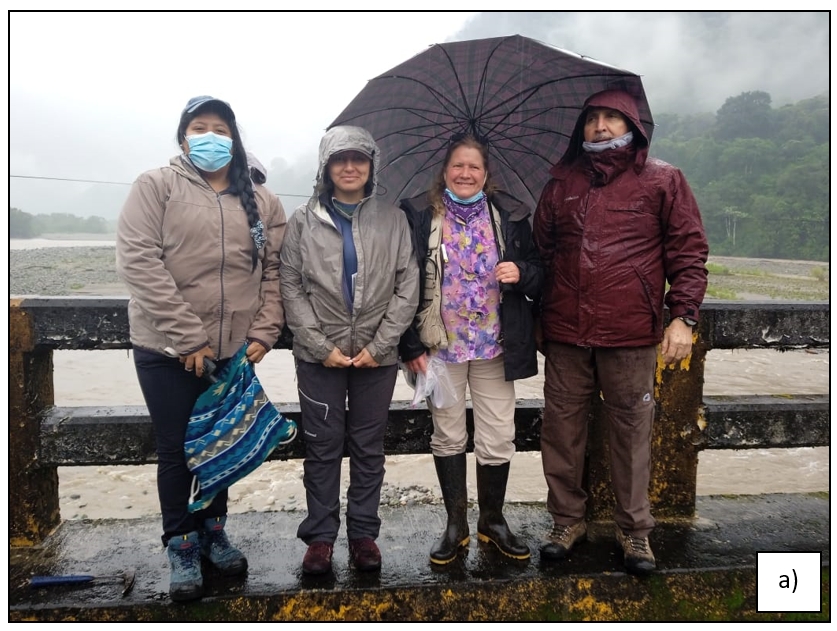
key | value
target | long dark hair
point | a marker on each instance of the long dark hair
(438, 188)
(239, 173)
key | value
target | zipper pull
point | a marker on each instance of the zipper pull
(444, 253)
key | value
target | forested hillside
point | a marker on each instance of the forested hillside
(760, 175)
(22, 225)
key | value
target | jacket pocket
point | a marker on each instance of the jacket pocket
(649, 298)
(314, 415)
(431, 329)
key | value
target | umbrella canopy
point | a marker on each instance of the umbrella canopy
(522, 96)
(232, 430)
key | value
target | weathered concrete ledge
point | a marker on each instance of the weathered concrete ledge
(123, 434)
(80, 322)
(707, 570)
(764, 421)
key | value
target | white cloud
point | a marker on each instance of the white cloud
(97, 95)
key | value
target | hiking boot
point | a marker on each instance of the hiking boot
(451, 472)
(317, 558)
(491, 525)
(216, 547)
(638, 556)
(186, 582)
(561, 540)
(365, 554)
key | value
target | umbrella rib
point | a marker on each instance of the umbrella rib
(518, 147)
(448, 106)
(417, 112)
(468, 113)
(421, 169)
(512, 169)
(481, 94)
(527, 94)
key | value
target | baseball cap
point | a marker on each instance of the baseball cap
(197, 101)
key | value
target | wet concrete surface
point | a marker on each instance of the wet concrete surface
(726, 533)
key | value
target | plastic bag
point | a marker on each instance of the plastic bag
(435, 384)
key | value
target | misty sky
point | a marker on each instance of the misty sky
(97, 96)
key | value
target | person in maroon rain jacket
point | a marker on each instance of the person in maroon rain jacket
(612, 226)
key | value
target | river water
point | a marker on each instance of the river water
(108, 378)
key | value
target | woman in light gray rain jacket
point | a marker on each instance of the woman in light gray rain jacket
(349, 284)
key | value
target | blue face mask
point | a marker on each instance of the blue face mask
(459, 200)
(210, 151)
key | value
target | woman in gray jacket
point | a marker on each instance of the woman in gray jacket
(198, 247)
(349, 284)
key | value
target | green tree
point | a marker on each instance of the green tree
(21, 224)
(761, 176)
(95, 225)
(747, 115)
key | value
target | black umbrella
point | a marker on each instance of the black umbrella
(520, 95)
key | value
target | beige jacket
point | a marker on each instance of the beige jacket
(184, 252)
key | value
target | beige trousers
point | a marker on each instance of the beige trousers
(493, 402)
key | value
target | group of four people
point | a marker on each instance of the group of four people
(462, 273)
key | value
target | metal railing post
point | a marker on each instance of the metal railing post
(33, 489)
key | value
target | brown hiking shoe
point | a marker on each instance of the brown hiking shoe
(638, 556)
(318, 558)
(561, 539)
(365, 554)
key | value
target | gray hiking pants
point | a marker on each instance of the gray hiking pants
(329, 427)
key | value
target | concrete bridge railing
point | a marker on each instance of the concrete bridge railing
(43, 437)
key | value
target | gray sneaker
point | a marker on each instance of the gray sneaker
(561, 539)
(186, 582)
(216, 546)
(638, 556)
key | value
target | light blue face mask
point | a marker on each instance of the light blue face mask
(459, 200)
(210, 151)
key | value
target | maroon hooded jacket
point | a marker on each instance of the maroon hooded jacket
(612, 228)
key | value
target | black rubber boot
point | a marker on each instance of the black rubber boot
(452, 473)
(492, 526)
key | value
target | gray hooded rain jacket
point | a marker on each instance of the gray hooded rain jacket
(311, 274)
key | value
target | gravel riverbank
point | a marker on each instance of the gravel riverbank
(65, 271)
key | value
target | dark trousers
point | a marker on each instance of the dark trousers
(329, 426)
(573, 375)
(170, 394)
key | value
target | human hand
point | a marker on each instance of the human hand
(418, 364)
(337, 359)
(194, 362)
(507, 273)
(677, 341)
(256, 352)
(364, 360)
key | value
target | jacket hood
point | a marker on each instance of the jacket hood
(616, 100)
(346, 138)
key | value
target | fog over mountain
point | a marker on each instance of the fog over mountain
(690, 62)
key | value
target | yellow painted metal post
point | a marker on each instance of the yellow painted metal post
(674, 453)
